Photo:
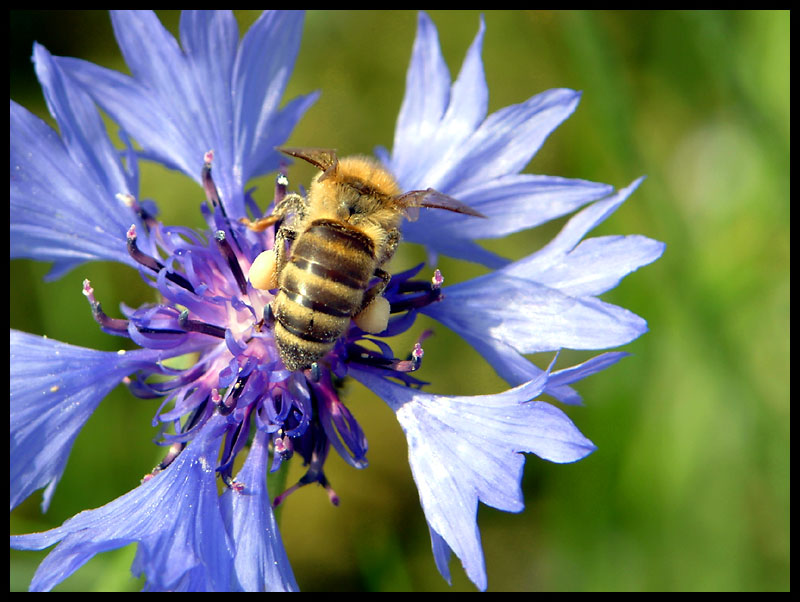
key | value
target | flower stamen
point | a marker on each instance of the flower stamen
(432, 292)
(281, 184)
(229, 403)
(208, 183)
(116, 326)
(198, 326)
(212, 194)
(233, 263)
(307, 479)
(152, 263)
(130, 201)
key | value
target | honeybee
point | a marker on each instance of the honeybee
(338, 236)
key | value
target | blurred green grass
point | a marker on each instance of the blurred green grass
(689, 489)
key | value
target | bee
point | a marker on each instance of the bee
(330, 249)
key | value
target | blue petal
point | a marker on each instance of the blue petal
(559, 381)
(466, 449)
(502, 145)
(175, 106)
(143, 115)
(55, 387)
(516, 369)
(532, 317)
(174, 517)
(209, 40)
(211, 96)
(260, 559)
(263, 65)
(64, 205)
(82, 129)
(441, 554)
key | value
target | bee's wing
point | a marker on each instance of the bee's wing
(324, 158)
(410, 202)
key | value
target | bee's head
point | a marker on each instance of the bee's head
(359, 188)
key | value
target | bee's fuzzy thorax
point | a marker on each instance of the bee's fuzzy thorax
(365, 169)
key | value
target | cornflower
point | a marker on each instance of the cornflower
(213, 105)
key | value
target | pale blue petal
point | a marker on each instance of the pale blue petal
(467, 106)
(516, 369)
(531, 317)
(469, 97)
(443, 140)
(502, 145)
(510, 364)
(559, 381)
(552, 256)
(597, 265)
(460, 247)
(424, 104)
(466, 449)
(441, 554)
(545, 301)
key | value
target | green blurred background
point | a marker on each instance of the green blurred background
(689, 489)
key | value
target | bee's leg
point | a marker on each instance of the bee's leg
(282, 236)
(290, 204)
(392, 240)
(376, 290)
(265, 271)
(373, 316)
(267, 266)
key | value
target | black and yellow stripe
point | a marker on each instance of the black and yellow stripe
(321, 288)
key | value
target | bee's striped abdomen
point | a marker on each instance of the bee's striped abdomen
(321, 288)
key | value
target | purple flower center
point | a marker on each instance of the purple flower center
(208, 310)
